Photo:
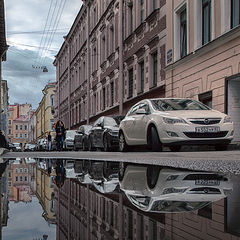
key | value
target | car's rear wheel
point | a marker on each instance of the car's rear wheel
(176, 148)
(123, 147)
(105, 143)
(155, 141)
(152, 175)
(221, 147)
(84, 146)
(91, 148)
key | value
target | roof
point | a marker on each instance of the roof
(22, 118)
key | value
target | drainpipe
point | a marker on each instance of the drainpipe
(120, 40)
(88, 63)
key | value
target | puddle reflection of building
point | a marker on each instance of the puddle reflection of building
(19, 181)
(45, 190)
(84, 213)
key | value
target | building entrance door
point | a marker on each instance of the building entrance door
(233, 105)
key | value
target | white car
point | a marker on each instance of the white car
(68, 143)
(156, 189)
(174, 122)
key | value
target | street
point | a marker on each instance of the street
(225, 161)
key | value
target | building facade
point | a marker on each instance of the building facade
(45, 111)
(202, 50)
(18, 117)
(4, 102)
(84, 213)
(113, 56)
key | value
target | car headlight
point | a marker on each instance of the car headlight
(113, 133)
(227, 119)
(173, 190)
(173, 120)
(172, 177)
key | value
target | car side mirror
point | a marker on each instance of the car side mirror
(141, 111)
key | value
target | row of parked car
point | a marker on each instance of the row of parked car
(171, 122)
(154, 123)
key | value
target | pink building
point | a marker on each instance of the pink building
(112, 57)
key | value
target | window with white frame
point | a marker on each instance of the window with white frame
(206, 21)
(235, 9)
(183, 33)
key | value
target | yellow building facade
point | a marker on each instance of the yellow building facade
(45, 112)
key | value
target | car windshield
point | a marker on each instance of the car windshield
(177, 104)
(177, 206)
(87, 129)
(108, 121)
(70, 134)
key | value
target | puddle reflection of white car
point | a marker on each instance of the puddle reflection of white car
(156, 189)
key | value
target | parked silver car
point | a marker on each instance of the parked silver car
(68, 143)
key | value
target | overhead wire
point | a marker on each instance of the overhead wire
(57, 20)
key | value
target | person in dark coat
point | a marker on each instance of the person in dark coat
(60, 134)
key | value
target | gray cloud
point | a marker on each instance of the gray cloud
(25, 82)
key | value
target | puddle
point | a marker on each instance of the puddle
(75, 199)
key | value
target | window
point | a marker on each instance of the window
(52, 100)
(9, 131)
(21, 127)
(206, 21)
(154, 4)
(16, 170)
(16, 127)
(16, 178)
(16, 135)
(112, 93)
(94, 59)
(25, 135)
(130, 18)
(20, 135)
(9, 183)
(21, 178)
(9, 174)
(104, 98)
(141, 68)
(21, 170)
(25, 170)
(155, 68)
(183, 33)
(141, 11)
(52, 124)
(235, 9)
(103, 49)
(111, 39)
(25, 178)
(9, 122)
(206, 98)
(25, 127)
(130, 83)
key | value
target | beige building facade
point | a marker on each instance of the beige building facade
(112, 57)
(202, 54)
(44, 113)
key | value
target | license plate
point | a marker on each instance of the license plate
(207, 129)
(207, 182)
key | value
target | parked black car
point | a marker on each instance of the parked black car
(81, 138)
(104, 133)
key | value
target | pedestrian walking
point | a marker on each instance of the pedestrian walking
(60, 134)
(49, 139)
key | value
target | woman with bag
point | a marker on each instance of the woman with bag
(60, 132)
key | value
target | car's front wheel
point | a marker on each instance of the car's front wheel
(123, 147)
(105, 143)
(155, 141)
(91, 148)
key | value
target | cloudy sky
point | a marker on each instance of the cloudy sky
(34, 31)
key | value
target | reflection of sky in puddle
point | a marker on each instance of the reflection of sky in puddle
(26, 222)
